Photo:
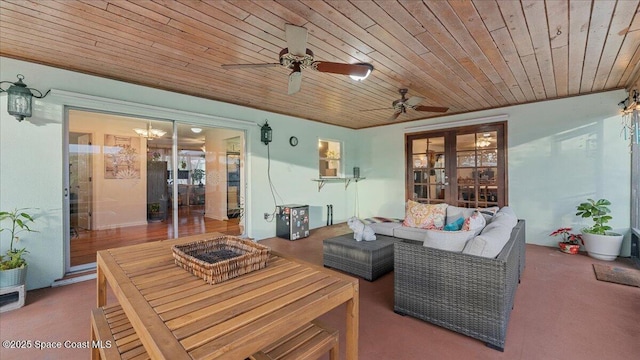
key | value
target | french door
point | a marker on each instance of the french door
(464, 166)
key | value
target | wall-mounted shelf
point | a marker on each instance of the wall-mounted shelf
(346, 181)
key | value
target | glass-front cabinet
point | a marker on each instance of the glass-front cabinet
(461, 166)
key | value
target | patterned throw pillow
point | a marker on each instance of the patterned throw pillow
(475, 222)
(425, 216)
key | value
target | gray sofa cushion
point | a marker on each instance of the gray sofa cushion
(505, 216)
(385, 228)
(447, 240)
(494, 236)
(411, 233)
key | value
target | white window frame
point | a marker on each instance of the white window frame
(333, 159)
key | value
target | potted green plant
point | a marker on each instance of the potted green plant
(13, 266)
(599, 241)
(155, 212)
(197, 176)
(570, 243)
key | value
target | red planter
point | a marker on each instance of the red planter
(569, 248)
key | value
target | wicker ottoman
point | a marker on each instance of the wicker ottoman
(368, 259)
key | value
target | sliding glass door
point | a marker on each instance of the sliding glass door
(131, 180)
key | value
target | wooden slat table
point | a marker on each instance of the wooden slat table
(179, 316)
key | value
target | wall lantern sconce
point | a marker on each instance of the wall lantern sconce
(19, 98)
(265, 133)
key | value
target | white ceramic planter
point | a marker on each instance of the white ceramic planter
(602, 247)
(13, 277)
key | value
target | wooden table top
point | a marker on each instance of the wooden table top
(179, 316)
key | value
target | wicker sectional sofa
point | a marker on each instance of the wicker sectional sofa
(469, 294)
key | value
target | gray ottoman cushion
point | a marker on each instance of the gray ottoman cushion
(368, 259)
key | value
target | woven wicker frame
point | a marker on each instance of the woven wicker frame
(254, 257)
(468, 294)
(367, 259)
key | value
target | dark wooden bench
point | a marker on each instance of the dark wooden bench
(112, 328)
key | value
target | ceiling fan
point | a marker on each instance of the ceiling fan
(401, 105)
(296, 57)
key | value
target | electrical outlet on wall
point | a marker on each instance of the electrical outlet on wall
(266, 216)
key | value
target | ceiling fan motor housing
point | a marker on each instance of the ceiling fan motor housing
(290, 60)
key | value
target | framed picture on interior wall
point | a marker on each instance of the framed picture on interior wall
(121, 157)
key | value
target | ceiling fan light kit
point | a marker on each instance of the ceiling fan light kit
(296, 57)
(360, 78)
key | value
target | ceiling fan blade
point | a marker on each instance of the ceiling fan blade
(340, 68)
(431, 108)
(394, 116)
(413, 101)
(295, 81)
(387, 108)
(296, 39)
(242, 66)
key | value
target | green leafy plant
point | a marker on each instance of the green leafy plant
(598, 212)
(19, 223)
(154, 207)
(197, 176)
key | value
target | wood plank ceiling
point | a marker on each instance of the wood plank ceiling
(465, 55)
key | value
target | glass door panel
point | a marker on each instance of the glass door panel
(428, 169)
(476, 170)
(118, 191)
(210, 182)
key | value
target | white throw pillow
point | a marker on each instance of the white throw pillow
(447, 240)
(456, 212)
(476, 222)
